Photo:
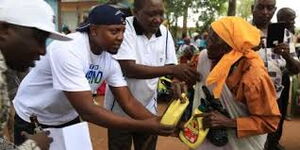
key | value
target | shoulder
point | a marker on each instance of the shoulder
(129, 25)
(77, 45)
(257, 77)
(77, 39)
(164, 31)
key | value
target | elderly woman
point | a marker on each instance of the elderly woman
(236, 75)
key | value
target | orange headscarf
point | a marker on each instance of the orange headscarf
(241, 37)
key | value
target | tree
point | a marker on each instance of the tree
(244, 8)
(209, 10)
(231, 8)
(173, 11)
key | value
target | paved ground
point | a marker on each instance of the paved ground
(290, 139)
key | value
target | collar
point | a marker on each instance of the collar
(140, 31)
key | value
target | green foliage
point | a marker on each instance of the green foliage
(244, 8)
(209, 10)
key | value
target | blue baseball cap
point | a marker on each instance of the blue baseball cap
(103, 15)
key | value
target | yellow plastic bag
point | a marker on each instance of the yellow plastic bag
(193, 134)
(175, 111)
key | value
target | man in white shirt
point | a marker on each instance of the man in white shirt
(59, 89)
(147, 53)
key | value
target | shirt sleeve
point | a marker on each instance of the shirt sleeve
(67, 69)
(261, 102)
(171, 53)
(116, 78)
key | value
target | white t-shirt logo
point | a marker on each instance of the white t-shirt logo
(94, 75)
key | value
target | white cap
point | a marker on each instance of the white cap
(30, 13)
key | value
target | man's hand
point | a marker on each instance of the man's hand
(282, 49)
(42, 139)
(159, 129)
(177, 89)
(216, 120)
(185, 73)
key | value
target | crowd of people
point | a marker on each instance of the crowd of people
(130, 54)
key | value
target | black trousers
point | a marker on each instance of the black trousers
(21, 125)
(122, 140)
(274, 138)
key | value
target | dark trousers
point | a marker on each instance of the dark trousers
(122, 140)
(21, 125)
(274, 138)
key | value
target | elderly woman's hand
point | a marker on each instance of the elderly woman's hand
(215, 119)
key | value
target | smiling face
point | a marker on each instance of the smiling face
(21, 46)
(107, 37)
(216, 47)
(150, 15)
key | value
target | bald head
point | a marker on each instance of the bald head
(139, 4)
(287, 16)
(283, 12)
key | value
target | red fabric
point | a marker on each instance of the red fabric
(101, 89)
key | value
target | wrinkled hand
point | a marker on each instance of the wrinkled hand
(159, 129)
(186, 73)
(282, 49)
(42, 139)
(216, 120)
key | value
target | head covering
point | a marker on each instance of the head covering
(33, 13)
(241, 37)
(103, 15)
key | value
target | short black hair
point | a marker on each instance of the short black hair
(138, 4)
(283, 12)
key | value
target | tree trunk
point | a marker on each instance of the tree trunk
(184, 26)
(231, 8)
(176, 27)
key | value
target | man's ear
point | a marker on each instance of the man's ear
(93, 30)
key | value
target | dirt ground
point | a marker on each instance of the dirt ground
(290, 138)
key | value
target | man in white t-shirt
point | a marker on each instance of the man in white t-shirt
(147, 53)
(59, 89)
